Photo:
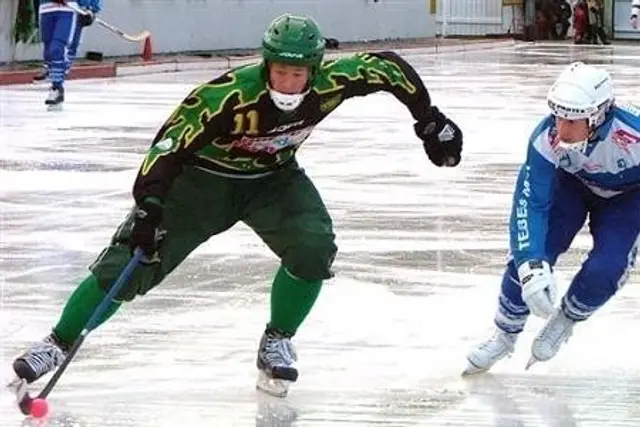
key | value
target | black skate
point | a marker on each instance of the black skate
(40, 359)
(276, 362)
(55, 98)
(43, 75)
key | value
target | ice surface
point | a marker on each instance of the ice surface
(421, 255)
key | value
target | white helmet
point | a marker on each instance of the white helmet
(582, 92)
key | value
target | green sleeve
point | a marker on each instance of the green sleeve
(366, 73)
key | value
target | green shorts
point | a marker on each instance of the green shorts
(283, 208)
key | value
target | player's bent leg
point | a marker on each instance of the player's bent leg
(43, 357)
(510, 319)
(290, 217)
(292, 298)
(184, 234)
(597, 281)
(615, 227)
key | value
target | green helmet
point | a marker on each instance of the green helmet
(295, 40)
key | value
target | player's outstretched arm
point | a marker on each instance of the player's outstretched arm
(370, 72)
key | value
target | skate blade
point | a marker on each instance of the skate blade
(56, 107)
(14, 383)
(532, 361)
(272, 386)
(472, 369)
(19, 387)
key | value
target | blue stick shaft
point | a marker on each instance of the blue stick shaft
(113, 291)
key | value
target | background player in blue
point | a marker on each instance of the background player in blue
(93, 7)
(583, 160)
(60, 30)
(635, 10)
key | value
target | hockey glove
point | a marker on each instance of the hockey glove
(538, 287)
(442, 139)
(146, 233)
(86, 19)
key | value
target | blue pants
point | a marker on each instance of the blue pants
(57, 30)
(614, 225)
(73, 47)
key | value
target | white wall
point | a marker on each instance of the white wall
(622, 28)
(470, 17)
(513, 19)
(7, 18)
(184, 25)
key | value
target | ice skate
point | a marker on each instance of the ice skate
(485, 355)
(55, 98)
(548, 341)
(41, 358)
(276, 363)
(41, 76)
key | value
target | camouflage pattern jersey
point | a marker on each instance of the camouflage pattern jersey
(229, 126)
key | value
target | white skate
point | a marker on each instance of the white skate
(276, 362)
(485, 355)
(548, 341)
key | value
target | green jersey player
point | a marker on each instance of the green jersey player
(227, 154)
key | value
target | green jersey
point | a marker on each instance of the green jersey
(230, 126)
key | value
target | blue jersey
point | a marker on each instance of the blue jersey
(52, 6)
(609, 165)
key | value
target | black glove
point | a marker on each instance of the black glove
(85, 20)
(146, 233)
(442, 139)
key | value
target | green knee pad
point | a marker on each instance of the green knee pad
(311, 260)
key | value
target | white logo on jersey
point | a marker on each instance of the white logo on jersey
(272, 144)
(286, 126)
(165, 144)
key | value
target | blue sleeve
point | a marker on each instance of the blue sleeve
(628, 114)
(532, 201)
(93, 5)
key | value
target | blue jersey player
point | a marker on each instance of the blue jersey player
(583, 160)
(61, 31)
(635, 11)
